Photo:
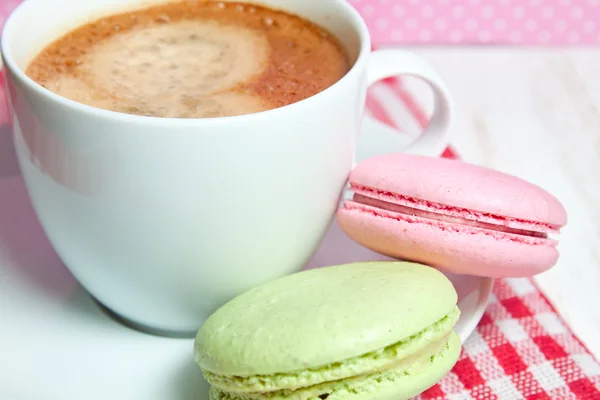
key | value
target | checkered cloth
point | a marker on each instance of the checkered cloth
(522, 349)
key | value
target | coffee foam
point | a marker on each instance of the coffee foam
(192, 59)
(188, 68)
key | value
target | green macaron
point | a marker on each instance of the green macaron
(372, 330)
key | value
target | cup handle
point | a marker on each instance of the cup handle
(391, 62)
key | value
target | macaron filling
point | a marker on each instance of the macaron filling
(436, 356)
(403, 205)
(403, 357)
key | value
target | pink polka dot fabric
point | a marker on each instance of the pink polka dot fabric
(518, 22)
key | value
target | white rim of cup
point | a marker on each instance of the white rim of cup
(8, 63)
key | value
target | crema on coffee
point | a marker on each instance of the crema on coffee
(192, 59)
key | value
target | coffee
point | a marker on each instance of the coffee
(192, 59)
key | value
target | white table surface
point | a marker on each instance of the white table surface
(535, 113)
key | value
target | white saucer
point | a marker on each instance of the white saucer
(57, 343)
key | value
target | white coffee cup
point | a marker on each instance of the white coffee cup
(163, 220)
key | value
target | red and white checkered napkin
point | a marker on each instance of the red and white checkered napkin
(522, 349)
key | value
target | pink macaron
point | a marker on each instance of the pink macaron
(452, 215)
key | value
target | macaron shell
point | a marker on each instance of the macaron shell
(454, 250)
(405, 356)
(322, 316)
(410, 386)
(459, 184)
(402, 387)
